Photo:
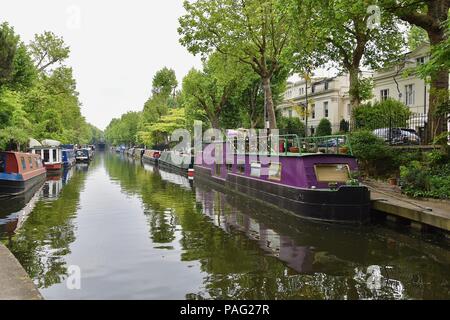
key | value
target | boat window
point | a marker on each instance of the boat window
(275, 171)
(24, 164)
(332, 172)
(241, 168)
(46, 155)
(229, 167)
(255, 169)
(31, 162)
(54, 156)
(218, 169)
(2, 163)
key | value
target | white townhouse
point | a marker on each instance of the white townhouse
(401, 82)
(328, 98)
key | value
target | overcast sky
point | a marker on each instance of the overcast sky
(116, 46)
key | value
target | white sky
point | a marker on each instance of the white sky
(116, 47)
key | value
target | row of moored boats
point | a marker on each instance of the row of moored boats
(21, 171)
(310, 177)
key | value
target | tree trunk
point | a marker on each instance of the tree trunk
(214, 122)
(438, 93)
(269, 103)
(355, 97)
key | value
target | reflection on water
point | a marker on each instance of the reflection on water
(139, 232)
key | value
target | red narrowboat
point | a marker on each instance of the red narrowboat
(19, 172)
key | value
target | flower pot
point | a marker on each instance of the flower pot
(392, 181)
(294, 150)
(343, 150)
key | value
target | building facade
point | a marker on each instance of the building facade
(328, 98)
(401, 82)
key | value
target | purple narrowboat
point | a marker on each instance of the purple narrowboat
(313, 178)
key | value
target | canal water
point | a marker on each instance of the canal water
(135, 232)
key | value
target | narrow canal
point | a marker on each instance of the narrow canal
(137, 232)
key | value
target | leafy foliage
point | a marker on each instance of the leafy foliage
(375, 157)
(291, 126)
(37, 101)
(324, 128)
(254, 32)
(380, 114)
(427, 178)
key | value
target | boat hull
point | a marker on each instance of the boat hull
(53, 166)
(149, 160)
(16, 187)
(346, 205)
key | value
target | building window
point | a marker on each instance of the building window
(325, 109)
(290, 113)
(313, 88)
(313, 131)
(409, 94)
(229, 167)
(313, 111)
(384, 94)
(325, 85)
(349, 109)
(420, 60)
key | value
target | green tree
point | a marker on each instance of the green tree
(256, 32)
(381, 114)
(8, 48)
(416, 37)
(340, 32)
(48, 49)
(431, 16)
(324, 128)
(164, 82)
(207, 93)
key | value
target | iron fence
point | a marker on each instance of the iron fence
(395, 129)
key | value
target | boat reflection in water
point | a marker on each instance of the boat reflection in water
(228, 218)
(15, 211)
(171, 177)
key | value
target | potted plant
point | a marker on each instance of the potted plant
(393, 181)
(294, 150)
(343, 149)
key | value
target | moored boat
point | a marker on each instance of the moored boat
(51, 155)
(178, 162)
(151, 156)
(68, 157)
(310, 180)
(82, 155)
(20, 172)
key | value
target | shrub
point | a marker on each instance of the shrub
(291, 126)
(375, 157)
(429, 177)
(381, 115)
(344, 126)
(324, 128)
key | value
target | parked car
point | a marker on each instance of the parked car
(333, 142)
(398, 136)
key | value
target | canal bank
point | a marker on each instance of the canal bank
(15, 284)
(420, 214)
